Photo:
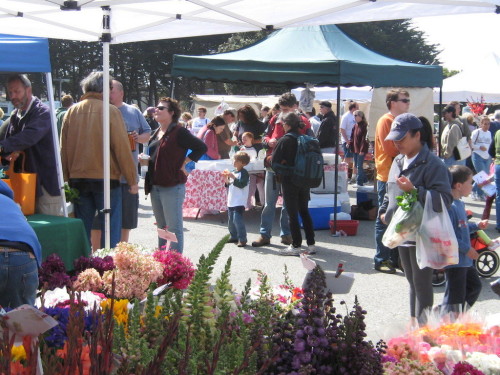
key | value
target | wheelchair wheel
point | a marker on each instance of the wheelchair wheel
(487, 264)
(438, 278)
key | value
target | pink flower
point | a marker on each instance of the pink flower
(177, 269)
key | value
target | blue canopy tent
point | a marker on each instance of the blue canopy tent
(31, 55)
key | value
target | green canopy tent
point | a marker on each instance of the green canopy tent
(321, 55)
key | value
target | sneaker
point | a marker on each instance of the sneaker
(474, 197)
(310, 249)
(242, 244)
(385, 267)
(262, 241)
(290, 251)
(232, 240)
(286, 239)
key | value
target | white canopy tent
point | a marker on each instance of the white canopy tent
(474, 82)
(120, 21)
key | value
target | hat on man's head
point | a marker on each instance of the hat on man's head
(150, 110)
(401, 125)
(325, 103)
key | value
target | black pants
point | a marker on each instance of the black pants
(462, 286)
(296, 201)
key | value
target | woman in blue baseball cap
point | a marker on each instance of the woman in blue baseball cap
(416, 168)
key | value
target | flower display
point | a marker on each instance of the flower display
(59, 297)
(52, 273)
(120, 309)
(90, 279)
(133, 274)
(477, 107)
(99, 264)
(451, 347)
(177, 269)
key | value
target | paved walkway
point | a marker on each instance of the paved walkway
(385, 297)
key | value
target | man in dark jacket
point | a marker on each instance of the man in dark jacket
(328, 130)
(30, 130)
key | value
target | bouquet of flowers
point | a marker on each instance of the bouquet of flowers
(477, 107)
(447, 344)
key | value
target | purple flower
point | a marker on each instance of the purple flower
(299, 345)
(305, 357)
(308, 330)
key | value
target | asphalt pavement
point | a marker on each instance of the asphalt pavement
(383, 296)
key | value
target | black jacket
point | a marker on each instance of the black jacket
(328, 131)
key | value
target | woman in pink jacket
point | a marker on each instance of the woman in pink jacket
(208, 134)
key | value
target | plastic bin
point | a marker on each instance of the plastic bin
(350, 227)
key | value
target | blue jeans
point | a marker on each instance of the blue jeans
(272, 188)
(452, 161)
(383, 253)
(497, 201)
(18, 279)
(167, 208)
(358, 164)
(92, 201)
(236, 224)
(480, 164)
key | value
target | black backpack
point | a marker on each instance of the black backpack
(308, 169)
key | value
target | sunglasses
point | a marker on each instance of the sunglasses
(403, 100)
(161, 108)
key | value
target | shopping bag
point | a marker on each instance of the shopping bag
(463, 148)
(403, 225)
(24, 186)
(405, 221)
(437, 245)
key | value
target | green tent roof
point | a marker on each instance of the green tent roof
(315, 54)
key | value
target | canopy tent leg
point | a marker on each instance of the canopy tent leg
(55, 138)
(106, 38)
(335, 193)
(440, 124)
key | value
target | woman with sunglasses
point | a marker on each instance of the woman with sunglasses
(167, 175)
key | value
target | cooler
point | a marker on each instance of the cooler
(320, 208)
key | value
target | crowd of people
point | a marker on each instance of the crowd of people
(174, 141)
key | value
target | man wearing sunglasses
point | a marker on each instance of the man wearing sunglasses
(398, 102)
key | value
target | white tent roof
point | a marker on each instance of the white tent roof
(330, 93)
(474, 82)
(135, 20)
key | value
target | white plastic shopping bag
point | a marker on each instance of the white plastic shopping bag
(437, 244)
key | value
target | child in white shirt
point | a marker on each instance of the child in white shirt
(256, 179)
(237, 197)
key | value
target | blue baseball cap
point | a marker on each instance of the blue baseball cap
(401, 125)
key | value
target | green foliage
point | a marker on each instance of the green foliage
(447, 73)
(72, 195)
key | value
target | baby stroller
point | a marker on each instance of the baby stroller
(486, 264)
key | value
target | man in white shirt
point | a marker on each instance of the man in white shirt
(200, 121)
(346, 125)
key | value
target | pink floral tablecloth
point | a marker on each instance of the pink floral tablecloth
(205, 190)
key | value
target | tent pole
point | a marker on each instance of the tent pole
(55, 138)
(440, 130)
(106, 38)
(335, 193)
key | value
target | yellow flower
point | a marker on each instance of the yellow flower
(120, 310)
(18, 353)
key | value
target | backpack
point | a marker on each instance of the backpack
(308, 169)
